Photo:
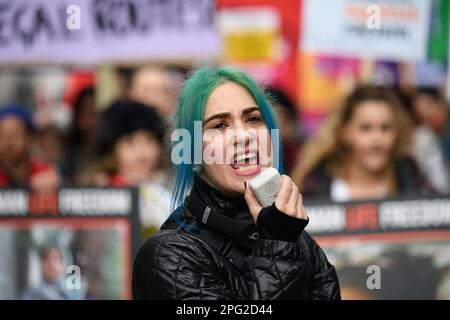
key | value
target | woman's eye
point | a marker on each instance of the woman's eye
(386, 127)
(220, 125)
(365, 127)
(254, 118)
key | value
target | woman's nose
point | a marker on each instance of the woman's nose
(243, 135)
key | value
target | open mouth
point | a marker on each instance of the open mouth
(246, 164)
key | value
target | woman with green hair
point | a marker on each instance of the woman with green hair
(220, 242)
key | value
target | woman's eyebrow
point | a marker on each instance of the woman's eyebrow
(249, 109)
(217, 115)
(228, 114)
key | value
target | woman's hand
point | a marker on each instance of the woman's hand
(289, 200)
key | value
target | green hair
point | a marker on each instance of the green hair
(191, 108)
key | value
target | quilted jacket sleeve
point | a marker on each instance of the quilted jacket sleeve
(325, 284)
(180, 266)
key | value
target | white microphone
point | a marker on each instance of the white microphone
(266, 186)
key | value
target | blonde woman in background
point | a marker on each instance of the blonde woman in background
(362, 151)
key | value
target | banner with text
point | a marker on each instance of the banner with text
(71, 244)
(379, 29)
(392, 249)
(96, 31)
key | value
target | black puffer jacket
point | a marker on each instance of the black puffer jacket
(408, 181)
(192, 261)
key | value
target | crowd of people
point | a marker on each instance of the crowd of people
(378, 143)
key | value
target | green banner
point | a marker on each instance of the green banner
(438, 40)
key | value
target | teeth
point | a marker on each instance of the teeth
(247, 168)
(249, 156)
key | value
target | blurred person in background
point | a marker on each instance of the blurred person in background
(49, 145)
(426, 145)
(81, 139)
(52, 285)
(50, 120)
(130, 146)
(431, 140)
(431, 108)
(362, 151)
(289, 126)
(153, 86)
(18, 167)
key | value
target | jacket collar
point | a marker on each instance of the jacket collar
(217, 200)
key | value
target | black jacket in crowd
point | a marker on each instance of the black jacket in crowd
(188, 259)
(408, 178)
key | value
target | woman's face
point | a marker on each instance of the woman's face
(371, 134)
(14, 140)
(52, 265)
(137, 156)
(236, 142)
(87, 118)
(430, 111)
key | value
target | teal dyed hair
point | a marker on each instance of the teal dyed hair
(191, 107)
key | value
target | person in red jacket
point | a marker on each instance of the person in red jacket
(18, 168)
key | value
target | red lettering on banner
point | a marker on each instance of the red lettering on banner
(362, 217)
(43, 203)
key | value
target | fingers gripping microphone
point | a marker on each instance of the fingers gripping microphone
(266, 186)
